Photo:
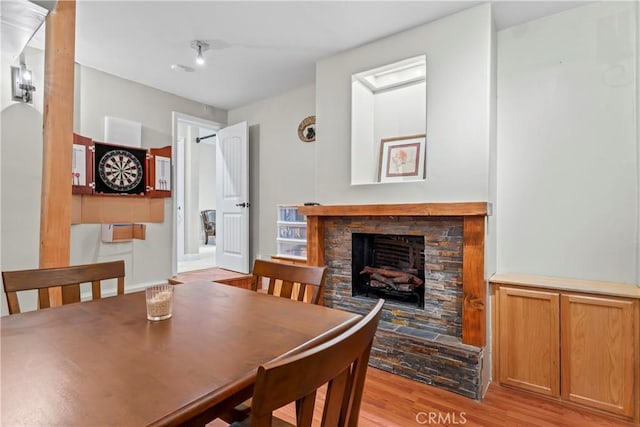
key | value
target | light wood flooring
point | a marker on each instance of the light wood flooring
(209, 274)
(393, 401)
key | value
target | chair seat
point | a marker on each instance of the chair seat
(275, 422)
(238, 414)
(299, 282)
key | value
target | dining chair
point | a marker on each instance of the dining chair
(293, 281)
(69, 278)
(208, 224)
(340, 363)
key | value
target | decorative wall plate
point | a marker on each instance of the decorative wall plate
(307, 129)
(119, 170)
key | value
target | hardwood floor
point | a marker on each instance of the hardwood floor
(210, 274)
(393, 401)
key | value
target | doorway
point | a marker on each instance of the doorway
(195, 171)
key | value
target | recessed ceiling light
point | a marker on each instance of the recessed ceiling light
(180, 67)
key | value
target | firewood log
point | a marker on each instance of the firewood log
(381, 278)
(376, 284)
(398, 276)
(405, 278)
(383, 271)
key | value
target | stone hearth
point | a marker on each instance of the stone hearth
(427, 344)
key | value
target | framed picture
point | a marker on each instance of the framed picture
(402, 158)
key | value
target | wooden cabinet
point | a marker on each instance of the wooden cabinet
(598, 352)
(574, 346)
(529, 340)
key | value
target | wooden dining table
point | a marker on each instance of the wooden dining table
(102, 362)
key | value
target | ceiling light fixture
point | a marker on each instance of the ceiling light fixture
(200, 47)
(21, 84)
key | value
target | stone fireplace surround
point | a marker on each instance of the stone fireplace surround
(442, 344)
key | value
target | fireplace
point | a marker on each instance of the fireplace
(388, 266)
(440, 343)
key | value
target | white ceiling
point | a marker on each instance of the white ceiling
(260, 48)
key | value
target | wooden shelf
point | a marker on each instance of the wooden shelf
(408, 209)
(567, 284)
(89, 209)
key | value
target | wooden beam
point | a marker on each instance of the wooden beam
(57, 129)
(315, 245)
(402, 209)
(474, 316)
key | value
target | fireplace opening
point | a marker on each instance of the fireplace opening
(388, 266)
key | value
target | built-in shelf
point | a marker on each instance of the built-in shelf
(291, 240)
(89, 209)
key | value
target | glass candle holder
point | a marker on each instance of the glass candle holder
(159, 302)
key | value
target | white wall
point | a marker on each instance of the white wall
(400, 112)
(104, 94)
(458, 50)
(397, 112)
(281, 166)
(21, 173)
(207, 160)
(568, 146)
(207, 181)
(21, 183)
(97, 95)
(363, 152)
(192, 219)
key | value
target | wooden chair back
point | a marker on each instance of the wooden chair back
(298, 282)
(341, 363)
(69, 278)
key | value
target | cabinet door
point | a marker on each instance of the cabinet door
(597, 352)
(529, 337)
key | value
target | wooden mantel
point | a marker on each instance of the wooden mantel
(405, 209)
(473, 281)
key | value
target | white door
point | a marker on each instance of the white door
(232, 198)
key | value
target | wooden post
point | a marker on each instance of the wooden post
(315, 240)
(473, 284)
(57, 129)
(315, 244)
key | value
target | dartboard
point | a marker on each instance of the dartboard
(119, 169)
